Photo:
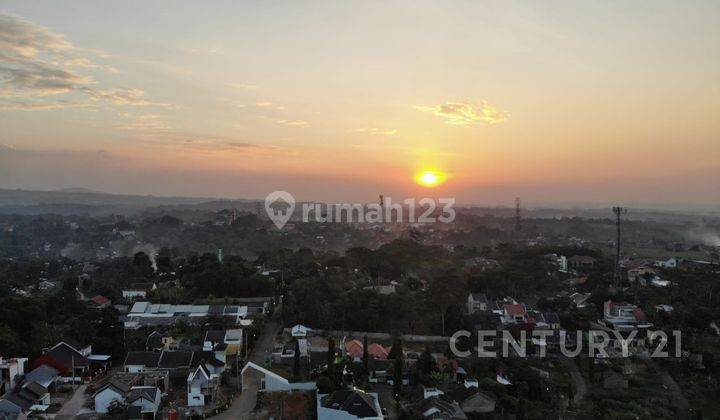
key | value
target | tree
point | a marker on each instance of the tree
(296, 361)
(331, 360)
(365, 357)
(398, 371)
(142, 264)
(116, 408)
(426, 364)
(325, 385)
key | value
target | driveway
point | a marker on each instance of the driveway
(245, 404)
(72, 407)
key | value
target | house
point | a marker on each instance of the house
(354, 349)
(380, 370)
(72, 360)
(44, 375)
(140, 361)
(624, 316)
(477, 302)
(378, 351)
(31, 396)
(118, 386)
(471, 400)
(268, 381)
(670, 263)
(641, 274)
(431, 392)
(514, 314)
(138, 290)
(109, 392)
(158, 341)
(579, 299)
(147, 398)
(664, 308)
(581, 262)
(349, 404)
(145, 314)
(300, 331)
(10, 372)
(202, 387)
(385, 289)
(256, 305)
(208, 359)
(99, 302)
(223, 342)
(441, 408)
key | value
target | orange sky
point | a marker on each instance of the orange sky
(555, 102)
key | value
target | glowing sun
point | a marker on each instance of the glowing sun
(430, 178)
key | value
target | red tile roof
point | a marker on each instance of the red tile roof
(100, 300)
(515, 309)
(354, 348)
(378, 351)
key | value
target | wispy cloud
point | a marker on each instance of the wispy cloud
(293, 122)
(466, 114)
(374, 131)
(147, 124)
(37, 66)
(244, 86)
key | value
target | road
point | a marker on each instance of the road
(244, 405)
(72, 407)
(578, 381)
(678, 397)
(387, 400)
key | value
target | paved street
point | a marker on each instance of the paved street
(244, 405)
(678, 397)
(72, 407)
(578, 381)
(387, 401)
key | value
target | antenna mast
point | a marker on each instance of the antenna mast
(518, 225)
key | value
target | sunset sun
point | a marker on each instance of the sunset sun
(430, 178)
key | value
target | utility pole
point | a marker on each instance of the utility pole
(617, 278)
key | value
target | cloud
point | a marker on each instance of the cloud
(466, 114)
(148, 123)
(242, 86)
(374, 131)
(193, 143)
(292, 122)
(36, 64)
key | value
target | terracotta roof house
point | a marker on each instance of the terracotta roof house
(354, 349)
(378, 351)
(99, 302)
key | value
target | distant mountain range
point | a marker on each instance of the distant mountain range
(83, 201)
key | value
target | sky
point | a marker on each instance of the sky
(567, 103)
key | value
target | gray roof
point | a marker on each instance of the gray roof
(142, 358)
(148, 393)
(357, 403)
(44, 375)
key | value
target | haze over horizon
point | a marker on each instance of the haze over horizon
(590, 103)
